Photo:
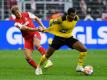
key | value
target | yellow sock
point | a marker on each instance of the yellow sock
(42, 60)
(81, 58)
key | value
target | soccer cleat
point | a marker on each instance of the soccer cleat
(38, 71)
(79, 68)
(48, 64)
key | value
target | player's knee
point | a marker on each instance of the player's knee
(28, 56)
(48, 55)
(83, 50)
(49, 52)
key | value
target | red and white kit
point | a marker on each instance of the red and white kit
(28, 36)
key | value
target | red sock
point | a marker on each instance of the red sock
(41, 50)
(32, 63)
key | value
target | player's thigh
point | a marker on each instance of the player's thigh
(28, 43)
(28, 53)
(70, 42)
(36, 42)
(79, 46)
(57, 43)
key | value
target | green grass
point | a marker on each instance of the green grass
(14, 67)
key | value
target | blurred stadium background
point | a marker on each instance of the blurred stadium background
(91, 30)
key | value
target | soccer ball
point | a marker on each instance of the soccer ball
(88, 70)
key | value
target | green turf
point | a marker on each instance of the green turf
(14, 67)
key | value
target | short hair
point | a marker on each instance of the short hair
(71, 10)
(14, 8)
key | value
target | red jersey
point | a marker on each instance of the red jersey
(12, 17)
(27, 21)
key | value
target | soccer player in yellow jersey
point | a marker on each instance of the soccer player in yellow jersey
(62, 28)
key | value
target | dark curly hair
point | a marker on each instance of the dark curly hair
(71, 10)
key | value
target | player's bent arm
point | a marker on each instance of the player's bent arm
(18, 25)
(32, 16)
(26, 28)
(31, 29)
(39, 21)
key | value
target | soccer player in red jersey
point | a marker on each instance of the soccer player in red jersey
(23, 21)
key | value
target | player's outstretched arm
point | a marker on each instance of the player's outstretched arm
(26, 28)
(31, 29)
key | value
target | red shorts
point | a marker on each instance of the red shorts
(28, 43)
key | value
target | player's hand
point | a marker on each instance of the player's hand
(24, 28)
(18, 25)
(41, 29)
(44, 27)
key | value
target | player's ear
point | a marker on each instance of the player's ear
(76, 18)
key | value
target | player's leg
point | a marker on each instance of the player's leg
(45, 57)
(28, 57)
(56, 44)
(83, 52)
(75, 44)
(36, 42)
(28, 45)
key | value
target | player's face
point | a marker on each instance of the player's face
(17, 13)
(72, 16)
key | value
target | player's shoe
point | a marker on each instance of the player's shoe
(38, 71)
(48, 64)
(79, 68)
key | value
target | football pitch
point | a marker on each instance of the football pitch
(14, 67)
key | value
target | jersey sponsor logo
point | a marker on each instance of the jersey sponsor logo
(63, 30)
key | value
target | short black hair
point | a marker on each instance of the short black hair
(71, 10)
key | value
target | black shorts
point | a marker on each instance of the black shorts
(60, 41)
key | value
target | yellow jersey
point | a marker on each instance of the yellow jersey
(62, 27)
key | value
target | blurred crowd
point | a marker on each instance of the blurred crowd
(86, 9)
(93, 9)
